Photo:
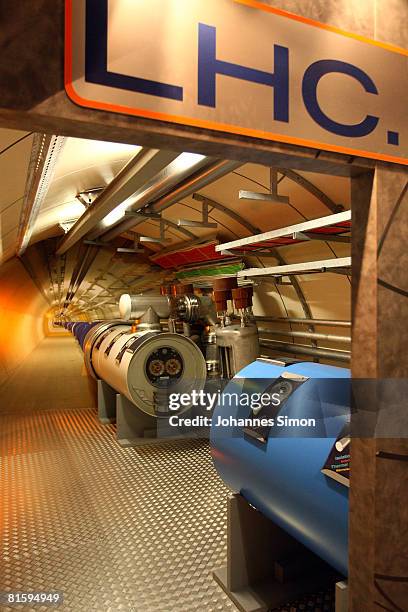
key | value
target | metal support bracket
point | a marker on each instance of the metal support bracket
(161, 240)
(88, 196)
(142, 215)
(133, 427)
(203, 223)
(254, 578)
(300, 236)
(136, 248)
(136, 428)
(273, 196)
(106, 402)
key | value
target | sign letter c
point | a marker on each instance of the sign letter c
(310, 82)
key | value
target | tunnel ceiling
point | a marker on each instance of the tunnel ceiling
(88, 278)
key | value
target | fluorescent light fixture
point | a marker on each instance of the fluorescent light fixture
(115, 215)
(183, 162)
(187, 160)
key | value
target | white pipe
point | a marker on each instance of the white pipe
(327, 322)
(301, 334)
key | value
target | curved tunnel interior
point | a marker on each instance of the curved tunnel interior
(86, 281)
(107, 220)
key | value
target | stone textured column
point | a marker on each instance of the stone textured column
(379, 483)
(378, 568)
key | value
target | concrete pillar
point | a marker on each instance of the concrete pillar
(378, 568)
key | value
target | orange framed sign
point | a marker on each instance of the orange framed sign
(242, 67)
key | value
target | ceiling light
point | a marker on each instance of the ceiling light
(115, 215)
(187, 160)
(183, 162)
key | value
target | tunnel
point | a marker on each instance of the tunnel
(203, 306)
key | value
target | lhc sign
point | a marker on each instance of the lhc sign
(242, 67)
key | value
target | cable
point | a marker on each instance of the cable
(10, 146)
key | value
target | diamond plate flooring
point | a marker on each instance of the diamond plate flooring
(114, 529)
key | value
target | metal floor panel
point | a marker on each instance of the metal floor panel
(114, 529)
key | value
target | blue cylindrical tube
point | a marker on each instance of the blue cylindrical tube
(80, 330)
(282, 477)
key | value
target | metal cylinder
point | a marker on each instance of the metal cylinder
(134, 306)
(300, 349)
(301, 334)
(305, 321)
(237, 346)
(93, 337)
(280, 474)
(144, 366)
(81, 330)
(192, 308)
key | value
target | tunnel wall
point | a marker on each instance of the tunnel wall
(21, 316)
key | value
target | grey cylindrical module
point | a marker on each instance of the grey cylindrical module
(238, 346)
(107, 345)
(192, 308)
(95, 337)
(134, 306)
(144, 366)
(147, 366)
